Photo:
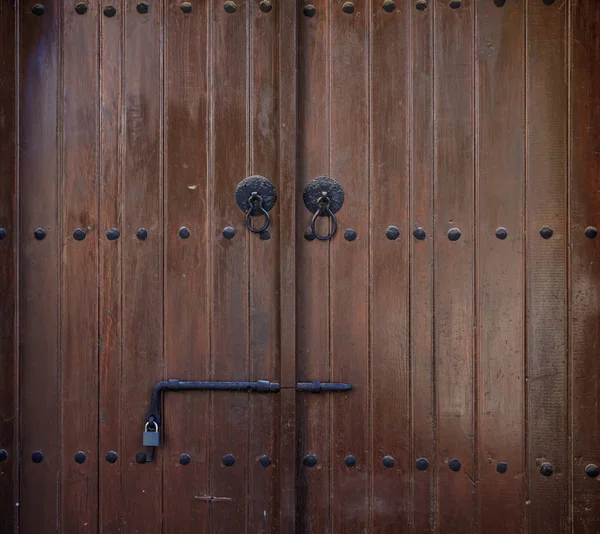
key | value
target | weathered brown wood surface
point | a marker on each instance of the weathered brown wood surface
(476, 115)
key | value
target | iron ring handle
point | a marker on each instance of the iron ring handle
(324, 209)
(255, 197)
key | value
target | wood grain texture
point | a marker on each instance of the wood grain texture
(500, 117)
(39, 272)
(389, 59)
(454, 265)
(142, 282)
(584, 298)
(546, 276)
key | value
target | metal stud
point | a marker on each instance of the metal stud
(546, 232)
(228, 460)
(309, 10)
(81, 8)
(184, 233)
(265, 235)
(501, 232)
(3, 234)
(547, 469)
(113, 234)
(142, 8)
(229, 232)
(309, 235)
(185, 459)
(389, 6)
(140, 457)
(310, 460)
(455, 465)
(591, 232)
(548, 2)
(350, 234)
(230, 7)
(3, 455)
(388, 461)
(499, 3)
(454, 234)
(80, 457)
(38, 9)
(592, 470)
(37, 457)
(421, 5)
(419, 233)
(348, 7)
(392, 233)
(111, 457)
(110, 11)
(39, 234)
(264, 461)
(142, 234)
(422, 464)
(79, 234)
(266, 6)
(350, 461)
(186, 7)
(502, 467)
(454, 4)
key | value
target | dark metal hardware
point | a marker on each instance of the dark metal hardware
(322, 387)
(323, 196)
(256, 196)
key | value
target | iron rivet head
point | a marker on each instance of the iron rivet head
(419, 233)
(501, 232)
(39, 234)
(499, 3)
(186, 7)
(546, 469)
(309, 10)
(185, 459)
(309, 235)
(80, 457)
(591, 470)
(591, 232)
(350, 235)
(421, 5)
(310, 460)
(454, 4)
(3, 234)
(392, 233)
(37, 457)
(228, 460)
(265, 235)
(388, 461)
(502, 467)
(229, 232)
(422, 464)
(3, 455)
(79, 234)
(140, 457)
(81, 8)
(546, 232)
(389, 6)
(111, 457)
(142, 8)
(548, 2)
(264, 461)
(455, 465)
(266, 6)
(230, 7)
(350, 461)
(142, 234)
(348, 7)
(454, 234)
(184, 233)
(38, 10)
(113, 234)
(110, 11)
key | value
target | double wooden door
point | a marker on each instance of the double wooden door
(459, 297)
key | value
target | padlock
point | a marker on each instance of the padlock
(151, 437)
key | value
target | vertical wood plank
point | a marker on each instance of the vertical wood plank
(349, 306)
(9, 385)
(186, 290)
(264, 320)
(110, 364)
(546, 155)
(79, 271)
(424, 497)
(500, 266)
(39, 274)
(584, 297)
(142, 323)
(454, 209)
(313, 418)
(389, 266)
(230, 323)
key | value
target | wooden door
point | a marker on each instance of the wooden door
(459, 297)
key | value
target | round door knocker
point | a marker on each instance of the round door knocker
(324, 197)
(256, 196)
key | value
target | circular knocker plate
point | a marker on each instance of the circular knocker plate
(259, 185)
(315, 189)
